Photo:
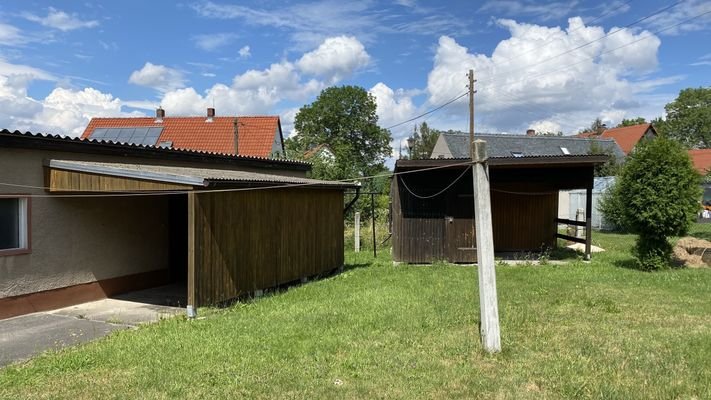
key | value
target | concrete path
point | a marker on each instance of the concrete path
(28, 335)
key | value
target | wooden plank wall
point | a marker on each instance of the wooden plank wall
(245, 241)
(73, 181)
(523, 221)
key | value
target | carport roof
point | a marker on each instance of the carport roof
(196, 177)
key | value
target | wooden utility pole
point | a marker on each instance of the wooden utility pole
(471, 107)
(488, 302)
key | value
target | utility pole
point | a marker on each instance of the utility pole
(471, 107)
(488, 301)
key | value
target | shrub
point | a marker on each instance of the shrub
(657, 193)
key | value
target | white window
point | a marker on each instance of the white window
(565, 150)
(517, 153)
(14, 225)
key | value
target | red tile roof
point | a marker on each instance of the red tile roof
(627, 137)
(701, 159)
(256, 133)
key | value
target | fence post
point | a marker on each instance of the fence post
(580, 217)
(356, 233)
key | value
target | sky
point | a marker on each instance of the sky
(550, 66)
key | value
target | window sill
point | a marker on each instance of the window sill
(14, 252)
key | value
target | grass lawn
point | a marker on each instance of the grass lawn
(380, 331)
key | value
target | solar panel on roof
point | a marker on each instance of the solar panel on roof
(147, 136)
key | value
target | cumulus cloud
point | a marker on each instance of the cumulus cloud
(245, 52)
(336, 58)
(58, 19)
(158, 77)
(531, 77)
(392, 106)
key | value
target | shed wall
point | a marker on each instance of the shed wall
(250, 240)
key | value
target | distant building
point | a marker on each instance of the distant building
(256, 136)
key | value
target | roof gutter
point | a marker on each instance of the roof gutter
(350, 204)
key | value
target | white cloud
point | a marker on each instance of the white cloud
(543, 11)
(393, 106)
(517, 86)
(245, 52)
(336, 58)
(158, 77)
(58, 19)
(213, 41)
(10, 35)
(70, 110)
(687, 16)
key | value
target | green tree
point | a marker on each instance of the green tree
(423, 141)
(597, 127)
(656, 196)
(689, 118)
(344, 117)
(612, 166)
(631, 122)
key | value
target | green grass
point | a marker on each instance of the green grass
(596, 330)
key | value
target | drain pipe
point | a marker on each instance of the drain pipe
(350, 204)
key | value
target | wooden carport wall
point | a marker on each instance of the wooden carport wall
(239, 241)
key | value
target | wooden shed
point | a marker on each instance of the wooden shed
(241, 231)
(433, 207)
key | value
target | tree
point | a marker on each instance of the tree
(612, 166)
(656, 196)
(597, 127)
(689, 118)
(344, 118)
(631, 122)
(422, 142)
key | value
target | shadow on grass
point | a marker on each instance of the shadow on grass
(348, 267)
(628, 263)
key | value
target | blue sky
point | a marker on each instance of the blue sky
(62, 62)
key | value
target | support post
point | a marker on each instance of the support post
(356, 231)
(488, 302)
(588, 222)
(372, 221)
(191, 306)
(471, 108)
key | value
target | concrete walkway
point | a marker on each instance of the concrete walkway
(28, 335)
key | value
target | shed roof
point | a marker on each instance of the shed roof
(503, 145)
(256, 133)
(503, 162)
(198, 177)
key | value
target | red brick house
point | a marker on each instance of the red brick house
(257, 136)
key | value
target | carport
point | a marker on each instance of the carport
(232, 232)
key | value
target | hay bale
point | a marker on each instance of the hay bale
(692, 252)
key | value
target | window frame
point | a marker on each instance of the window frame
(25, 205)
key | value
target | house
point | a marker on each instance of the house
(701, 158)
(456, 145)
(322, 152)
(258, 136)
(628, 136)
(83, 219)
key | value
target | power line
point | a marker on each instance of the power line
(430, 111)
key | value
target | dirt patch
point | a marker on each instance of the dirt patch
(692, 252)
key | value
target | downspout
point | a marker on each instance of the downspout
(350, 204)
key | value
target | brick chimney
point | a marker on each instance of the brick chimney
(210, 114)
(160, 114)
(531, 132)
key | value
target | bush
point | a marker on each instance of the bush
(657, 196)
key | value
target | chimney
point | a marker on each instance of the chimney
(210, 114)
(531, 132)
(160, 114)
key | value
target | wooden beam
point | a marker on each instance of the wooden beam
(570, 222)
(192, 204)
(588, 222)
(571, 238)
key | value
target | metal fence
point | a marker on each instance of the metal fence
(576, 200)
